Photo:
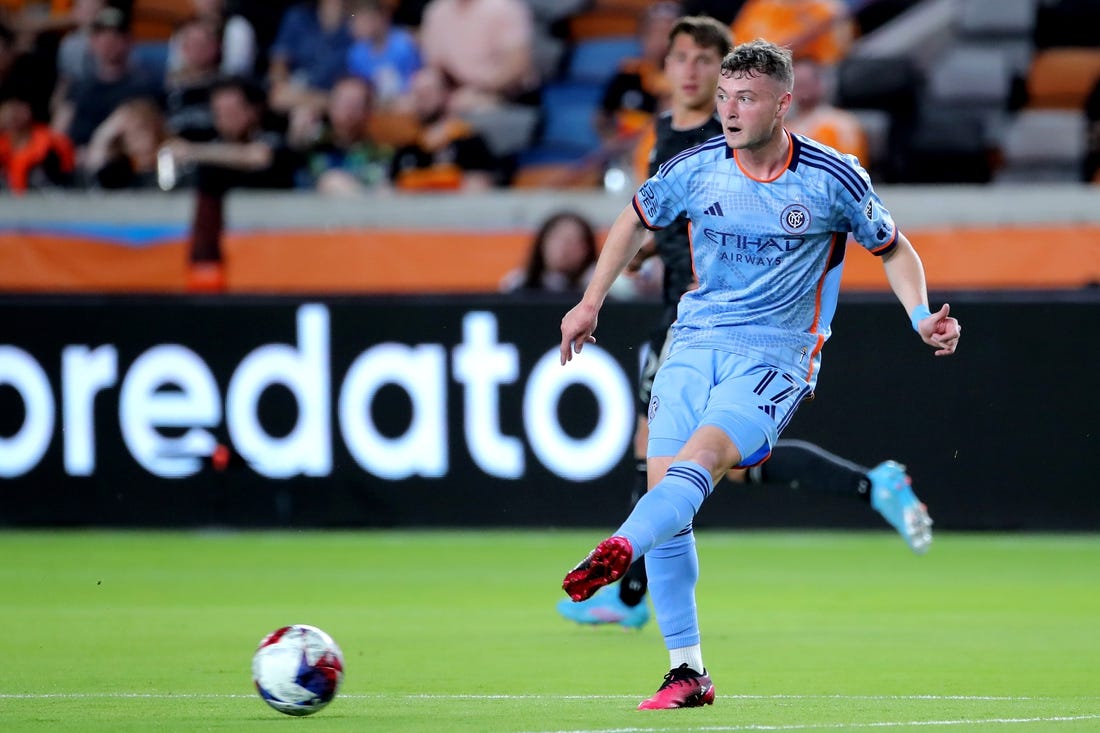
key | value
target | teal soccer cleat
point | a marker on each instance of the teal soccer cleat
(892, 497)
(605, 608)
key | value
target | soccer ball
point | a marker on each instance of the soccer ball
(298, 669)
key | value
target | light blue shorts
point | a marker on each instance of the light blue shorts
(751, 402)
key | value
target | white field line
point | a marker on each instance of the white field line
(842, 726)
(702, 729)
(428, 696)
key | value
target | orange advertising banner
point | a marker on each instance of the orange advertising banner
(422, 261)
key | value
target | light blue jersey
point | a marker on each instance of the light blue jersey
(768, 254)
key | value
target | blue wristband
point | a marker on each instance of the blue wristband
(919, 314)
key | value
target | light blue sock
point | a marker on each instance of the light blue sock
(667, 508)
(673, 568)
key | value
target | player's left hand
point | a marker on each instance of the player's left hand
(576, 330)
(941, 331)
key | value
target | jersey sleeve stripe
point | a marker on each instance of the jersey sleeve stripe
(842, 170)
(847, 185)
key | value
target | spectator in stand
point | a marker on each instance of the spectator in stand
(562, 257)
(244, 153)
(484, 47)
(191, 81)
(90, 102)
(385, 56)
(32, 156)
(638, 90)
(819, 29)
(75, 61)
(22, 75)
(448, 153)
(813, 116)
(123, 150)
(235, 37)
(309, 54)
(340, 156)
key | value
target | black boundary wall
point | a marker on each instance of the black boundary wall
(1002, 435)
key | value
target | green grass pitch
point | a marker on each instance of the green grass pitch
(456, 631)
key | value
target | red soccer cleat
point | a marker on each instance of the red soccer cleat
(604, 565)
(683, 688)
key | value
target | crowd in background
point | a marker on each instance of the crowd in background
(346, 96)
(341, 96)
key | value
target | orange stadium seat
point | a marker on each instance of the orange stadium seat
(156, 20)
(1061, 78)
(603, 24)
(557, 175)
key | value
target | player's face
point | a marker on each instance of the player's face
(692, 72)
(751, 108)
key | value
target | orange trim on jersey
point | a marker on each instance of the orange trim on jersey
(817, 305)
(889, 244)
(691, 254)
(786, 164)
(641, 214)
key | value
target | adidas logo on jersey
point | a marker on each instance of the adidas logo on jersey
(714, 209)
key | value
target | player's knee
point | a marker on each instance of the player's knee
(712, 449)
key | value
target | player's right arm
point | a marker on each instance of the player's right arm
(618, 250)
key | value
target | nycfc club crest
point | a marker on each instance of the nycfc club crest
(795, 219)
(654, 403)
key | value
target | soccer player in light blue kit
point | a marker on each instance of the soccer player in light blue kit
(770, 213)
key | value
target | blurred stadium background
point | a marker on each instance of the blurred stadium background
(327, 352)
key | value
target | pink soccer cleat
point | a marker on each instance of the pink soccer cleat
(683, 688)
(604, 565)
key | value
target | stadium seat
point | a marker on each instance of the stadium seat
(891, 84)
(1007, 26)
(151, 56)
(602, 24)
(1044, 145)
(596, 60)
(507, 129)
(579, 174)
(948, 146)
(1061, 78)
(156, 20)
(568, 109)
(971, 76)
(1002, 19)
